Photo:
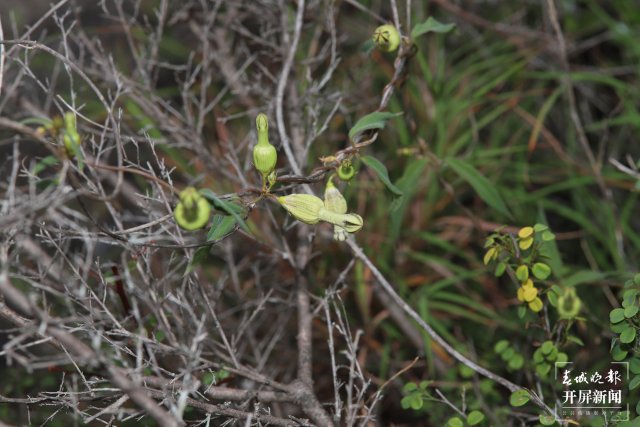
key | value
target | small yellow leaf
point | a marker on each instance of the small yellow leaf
(536, 305)
(489, 255)
(529, 294)
(525, 232)
(522, 273)
(526, 243)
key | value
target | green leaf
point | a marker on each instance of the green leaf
(43, 121)
(635, 382)
(628, 335)
(221, 225)
(547, 347)
(618, 327)
(551, 357)
(583, 276)
(501, 346)
(519, 398)
(500, 268)
(409, 387)
(42, 164)
(522, 311)
(406, 401)
(548, 236)
(516, 362)
(382, 173)
(562, 358)
(416, 402)
(485, 189)
(616, 315)
(541, 270)
(208, 378)
(465, 371)
(543, 369)
(454, 422)
(375, 120)
(508, 354)
(231, 208)
(522, 273)
(618, 353)
(547, 420)
(538, 357)
(431, 25)
(367, 47)
(634, 365)
(553, 298)
(632, 423)
(475, 417)
(631, 311)
(540, 227)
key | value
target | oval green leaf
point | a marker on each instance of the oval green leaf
(630, 311)
(635, 382)
(221, 225)
(541, 270)
(516, 362)
(628, 335)
(547, 420)
(519, 398)
(431, 25)
(616, 315)
(501, 346)
(547, 347)
(475, 417)
(500, 269)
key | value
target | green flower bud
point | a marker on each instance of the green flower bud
(335, 202)
(386, 37)
(264, 154)
(346, 171)
(304, 207)
(333, 199)
(272, 178)
(193, 210)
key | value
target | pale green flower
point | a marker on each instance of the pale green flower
(304, 207)
(335, 202)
